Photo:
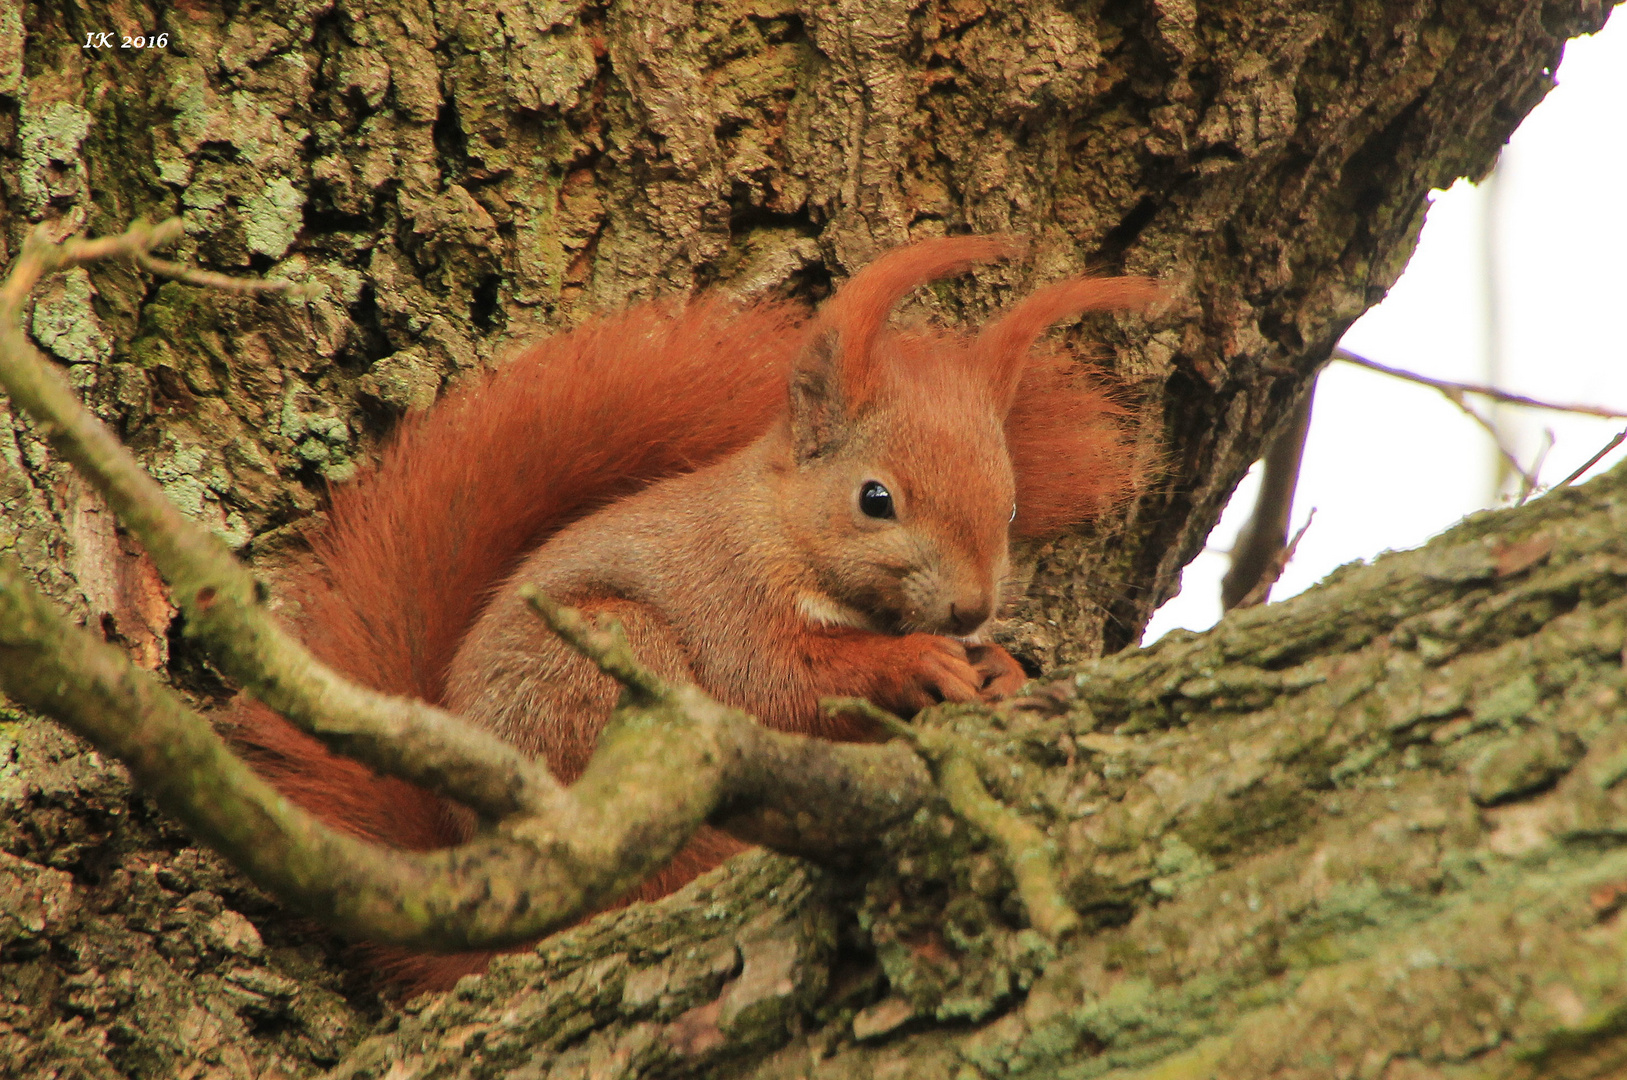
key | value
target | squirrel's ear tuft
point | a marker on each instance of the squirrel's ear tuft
(1003, 346)
(836, 374)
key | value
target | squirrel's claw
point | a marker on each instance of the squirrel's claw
(1000, 674)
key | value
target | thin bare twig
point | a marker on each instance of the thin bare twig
(41, 257)
(208, 279)
(1528, 481)
(136, 244)
(1459, 388)
(606, 645)
(1455, 392)
(1615, 441)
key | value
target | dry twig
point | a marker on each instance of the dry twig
(1615, 441)
(1279, 562)
(1456, 393)
(208, 279)
(1456, 390)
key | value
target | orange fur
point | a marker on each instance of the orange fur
(653, 465)
(413, 548)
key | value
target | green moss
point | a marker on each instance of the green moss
(1267, 815)
(1509, 702)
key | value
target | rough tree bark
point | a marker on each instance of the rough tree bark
(1275, 828)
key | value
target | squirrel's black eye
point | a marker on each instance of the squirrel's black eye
(1013, 516)
(875, 500)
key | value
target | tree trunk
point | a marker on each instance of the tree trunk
(1298, 880)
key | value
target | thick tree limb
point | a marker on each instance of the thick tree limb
(1376, 829)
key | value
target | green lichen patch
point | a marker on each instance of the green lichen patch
(1522, 765)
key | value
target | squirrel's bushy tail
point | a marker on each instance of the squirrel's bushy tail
(413, 548)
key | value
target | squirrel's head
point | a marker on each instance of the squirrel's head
(901, 488)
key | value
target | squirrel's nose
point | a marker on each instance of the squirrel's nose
(966, 616)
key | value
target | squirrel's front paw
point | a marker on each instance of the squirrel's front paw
(921, 670)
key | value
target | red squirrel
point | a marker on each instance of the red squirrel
(777, 507)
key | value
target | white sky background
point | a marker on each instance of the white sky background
(1389, 464)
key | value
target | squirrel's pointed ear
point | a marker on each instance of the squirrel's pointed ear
(1003, 346)
(819, 413)
(835, 377)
